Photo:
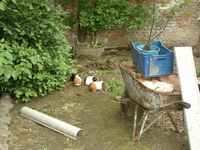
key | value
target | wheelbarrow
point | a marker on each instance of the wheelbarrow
(149, 101)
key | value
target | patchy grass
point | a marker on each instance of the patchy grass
(114, 87)
(96, 113)
(113, 81)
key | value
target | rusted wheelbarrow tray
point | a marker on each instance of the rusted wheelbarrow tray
(147, 98)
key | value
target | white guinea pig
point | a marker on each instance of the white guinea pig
(90, 79)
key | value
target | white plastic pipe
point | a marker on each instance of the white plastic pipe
(50, 122)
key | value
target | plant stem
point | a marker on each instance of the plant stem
(152, 26)
(163, 29)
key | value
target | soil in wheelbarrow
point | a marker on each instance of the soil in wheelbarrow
(98, 114)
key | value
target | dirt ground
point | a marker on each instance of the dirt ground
(98, 114)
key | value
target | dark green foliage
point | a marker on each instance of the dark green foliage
(99, 15)
(34, 53)
(66, 1)
(112, 14)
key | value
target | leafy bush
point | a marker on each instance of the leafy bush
(34, 53)
(99, 15)
(112, 14)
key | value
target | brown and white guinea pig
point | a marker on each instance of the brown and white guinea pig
(96, 86)
(76, 79)
(89, 80)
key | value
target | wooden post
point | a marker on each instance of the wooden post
(190, 93)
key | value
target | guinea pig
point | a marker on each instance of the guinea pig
(92, 87)
(77, 80)
(90, 79)
(96, 86)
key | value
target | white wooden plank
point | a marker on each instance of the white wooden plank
(190, 93)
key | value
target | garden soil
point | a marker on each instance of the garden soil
(98, 114)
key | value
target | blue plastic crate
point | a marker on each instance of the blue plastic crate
(156, 62)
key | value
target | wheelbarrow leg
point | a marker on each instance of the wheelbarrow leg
(153, 122)
(172, 121)
(124, 107)
(143, 119)
(124, 104)
(135, 122)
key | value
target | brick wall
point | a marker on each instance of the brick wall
(184, 30)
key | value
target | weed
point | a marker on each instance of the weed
(114, 87)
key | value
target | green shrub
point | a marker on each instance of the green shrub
(35, 56)
(100, 15)
(112, 14)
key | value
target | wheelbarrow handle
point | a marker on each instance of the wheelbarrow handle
(181, 105)
(185, 105)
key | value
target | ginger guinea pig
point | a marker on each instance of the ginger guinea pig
(96, 86)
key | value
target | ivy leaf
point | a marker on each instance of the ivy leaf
(7, 72)
(3, 61)
(3, 5)
(14, 1)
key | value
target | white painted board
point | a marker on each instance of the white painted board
(190, 93)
